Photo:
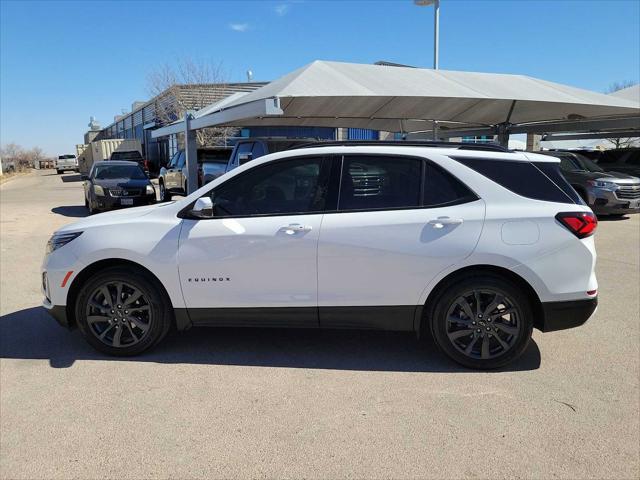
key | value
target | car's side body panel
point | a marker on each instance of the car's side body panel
(363, 269)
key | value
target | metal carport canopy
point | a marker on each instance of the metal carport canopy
(392, 99)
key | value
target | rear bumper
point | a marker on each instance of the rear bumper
(568, 314)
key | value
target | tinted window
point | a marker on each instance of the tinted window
(66, 157)
(441, 188)
(105, 172)
(243, 149)
(379, 182)
(553, 173)
(277, 188)
(181, 160)
(174, 160)
(131, 156)
(258, 150)
(587, 163)
(221, 156)
(568, 165)
(525, 178)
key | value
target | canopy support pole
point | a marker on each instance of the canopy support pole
(504, 128)
(191, 153)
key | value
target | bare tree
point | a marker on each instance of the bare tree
(621, 142)
(189, 85)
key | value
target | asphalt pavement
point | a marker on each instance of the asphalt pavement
(240, 403)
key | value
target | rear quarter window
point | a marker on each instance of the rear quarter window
(535, 180)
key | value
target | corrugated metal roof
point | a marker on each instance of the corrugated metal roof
(193, 94)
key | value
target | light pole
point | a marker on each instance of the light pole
(436, 42)
(436, 27)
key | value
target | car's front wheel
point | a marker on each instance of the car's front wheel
(164, 195)
(482, 322)
(121, 312)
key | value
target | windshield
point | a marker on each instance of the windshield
(66, 157)
(588, 164)
(107, 172)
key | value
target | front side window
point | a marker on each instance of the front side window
(280, 188)
(568, 165)
(379, 182)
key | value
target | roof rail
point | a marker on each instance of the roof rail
(492, 147)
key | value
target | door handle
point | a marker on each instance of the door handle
(294, 228)
(440, 222)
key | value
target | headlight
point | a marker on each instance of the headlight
(603, 184)
(150, 190)
(58, 240)
(98, 190)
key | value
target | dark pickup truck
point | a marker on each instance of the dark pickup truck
(249, 149)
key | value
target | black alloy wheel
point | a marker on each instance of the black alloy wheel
(482, 322)
(123, 311)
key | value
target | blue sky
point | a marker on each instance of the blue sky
(61, 62)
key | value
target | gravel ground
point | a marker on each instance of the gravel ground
(285, 403)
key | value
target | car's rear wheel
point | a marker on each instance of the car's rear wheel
(482, 322)
(121, 312)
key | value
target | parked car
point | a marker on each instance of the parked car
(117, 184)
(607, 193)
(470, 245)
(66, 162)
(172, 179)
(131, 156)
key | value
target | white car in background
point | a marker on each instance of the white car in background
(66, 162)
(473, 245)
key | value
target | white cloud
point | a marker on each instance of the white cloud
(282, 9)
(239, 27)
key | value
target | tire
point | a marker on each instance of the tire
(164, 195)
(59, 172)
(137, 332)
(482, 338)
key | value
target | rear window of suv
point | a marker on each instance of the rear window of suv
(536, 180)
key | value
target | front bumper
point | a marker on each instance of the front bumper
(604, 202)
(108, 202)
(58, 312)
(568, 314)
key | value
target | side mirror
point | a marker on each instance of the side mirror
(203, 208)
(244, 158)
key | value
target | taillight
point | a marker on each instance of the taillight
(581, 224)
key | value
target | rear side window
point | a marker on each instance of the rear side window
(442, 189)
(370, 183)
(540, 181)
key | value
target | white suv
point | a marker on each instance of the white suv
(474, 246)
